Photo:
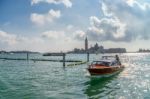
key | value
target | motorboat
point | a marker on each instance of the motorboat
(105, 67)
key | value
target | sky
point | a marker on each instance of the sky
(62, 25)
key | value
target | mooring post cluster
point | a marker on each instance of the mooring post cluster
(63, 55)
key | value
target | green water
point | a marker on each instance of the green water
(49, 80)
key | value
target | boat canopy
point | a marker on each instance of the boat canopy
(105, 62)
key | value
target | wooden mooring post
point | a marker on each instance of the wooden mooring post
(27, 56)
(88, 56)
(64, 59)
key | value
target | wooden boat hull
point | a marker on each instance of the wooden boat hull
(108, 71)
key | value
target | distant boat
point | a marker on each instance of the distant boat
(53, 54)
(105, 67)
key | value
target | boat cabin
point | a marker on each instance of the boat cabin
(105, 63)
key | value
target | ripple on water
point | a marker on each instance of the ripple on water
(48, 80)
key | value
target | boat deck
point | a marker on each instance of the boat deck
(103, 67)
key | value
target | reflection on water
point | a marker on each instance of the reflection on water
(100, 87)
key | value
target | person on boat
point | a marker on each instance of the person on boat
(118, 60)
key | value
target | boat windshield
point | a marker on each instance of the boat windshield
(101, 63)
(114, 63)
(108, 57)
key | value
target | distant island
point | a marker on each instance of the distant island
(143, 50)
(97, 49)
(17, 52)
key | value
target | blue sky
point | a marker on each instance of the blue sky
(61, 25)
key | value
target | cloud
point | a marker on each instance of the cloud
(53, 35)
(7, 38)
(67, 3)
(106, 29)
(42, 19)
(122, 20)
(133, 3)
(103, 29)
(134, 14)
(12, 39)
(79, 35)
(15, 42)
(105, 10)
(47, 41)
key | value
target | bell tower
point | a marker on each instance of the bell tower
(86, 44)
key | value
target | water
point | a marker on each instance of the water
(49, 80)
